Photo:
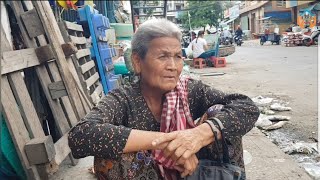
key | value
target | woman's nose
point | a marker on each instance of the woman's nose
(171, 64)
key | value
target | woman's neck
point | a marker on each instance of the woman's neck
(153, 98)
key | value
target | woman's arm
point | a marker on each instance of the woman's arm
(238, 114)
(205, 45)
(142, 140)
(102, 132)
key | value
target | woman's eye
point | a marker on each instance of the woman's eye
(178, 57)
(162, 57)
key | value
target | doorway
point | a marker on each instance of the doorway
(253, 22)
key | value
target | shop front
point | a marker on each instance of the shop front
(309, 16)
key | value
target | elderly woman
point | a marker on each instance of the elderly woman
(146, 130)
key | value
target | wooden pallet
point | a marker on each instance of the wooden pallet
(39, 155)
(85, 66)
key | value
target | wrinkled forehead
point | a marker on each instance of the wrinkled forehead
(165, 45)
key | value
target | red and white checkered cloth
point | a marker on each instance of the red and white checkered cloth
(175, 116)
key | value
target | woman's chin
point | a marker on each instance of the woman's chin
(168, 87)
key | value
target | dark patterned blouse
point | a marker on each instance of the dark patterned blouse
(103, 133)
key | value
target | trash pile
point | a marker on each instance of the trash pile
(268, 120)
(305, 153)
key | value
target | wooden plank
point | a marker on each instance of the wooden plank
(87, 66)
(41, 70)
(84, 100)
(14, 121)
(82, 52)
(77, 76)
(32, 23)
(62, 147)
(25, 104)
(19, 59)
(54, 35)
(94, 78)
(57, 90)
(78, 40)
(44, 53)
(57, 111)
(40, 150)
(95, 96)
(73, 26)
(16, 127)
(72, 118)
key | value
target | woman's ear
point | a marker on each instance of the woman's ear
(136, 63)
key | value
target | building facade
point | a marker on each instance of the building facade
(174, 6)
(305, 13)
(253, 15)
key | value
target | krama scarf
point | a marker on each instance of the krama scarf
(175, 116)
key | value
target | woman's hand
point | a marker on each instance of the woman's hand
(188, 167)
(183, 144)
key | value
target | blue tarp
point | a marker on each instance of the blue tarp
(279, 17)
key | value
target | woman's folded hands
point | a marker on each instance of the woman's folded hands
(181, 146)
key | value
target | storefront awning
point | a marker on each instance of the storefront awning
(265, 18)
(229, 21)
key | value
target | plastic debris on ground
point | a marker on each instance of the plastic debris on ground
(265, 122)
(268, 120)
(313, 169)
(279, 107)
(301, 147)
(262, 101)
(305, 153)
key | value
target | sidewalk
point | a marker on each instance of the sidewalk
(263, 159)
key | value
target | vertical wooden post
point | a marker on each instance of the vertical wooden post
(55, 38)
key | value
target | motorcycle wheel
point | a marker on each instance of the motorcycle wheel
(306, 42)
(315, 40)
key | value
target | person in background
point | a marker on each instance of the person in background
(226, 33)
(239, 31)
(193, 35)
(199, 46)
(147, 129)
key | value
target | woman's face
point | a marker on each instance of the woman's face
(162, 65)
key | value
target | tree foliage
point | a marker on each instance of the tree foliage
(202, 13)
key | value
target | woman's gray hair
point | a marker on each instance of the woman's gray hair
(151, 29)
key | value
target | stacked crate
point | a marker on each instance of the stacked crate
(101, 50)
(294, 39)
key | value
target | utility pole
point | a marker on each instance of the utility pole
(189, 20)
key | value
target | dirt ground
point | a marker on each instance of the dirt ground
(285, 73)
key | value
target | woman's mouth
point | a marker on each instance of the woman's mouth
(170, 77)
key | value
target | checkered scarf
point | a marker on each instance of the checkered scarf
(175, 116)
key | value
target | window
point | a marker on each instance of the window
(281, 3)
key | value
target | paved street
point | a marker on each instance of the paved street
(288, 73)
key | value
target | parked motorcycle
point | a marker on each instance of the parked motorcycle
(238, 40)
(226, 41)
(311, 39)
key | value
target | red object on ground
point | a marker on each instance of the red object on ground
(199, 63)
(220, 62)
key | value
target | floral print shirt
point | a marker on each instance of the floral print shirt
(104, 131)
